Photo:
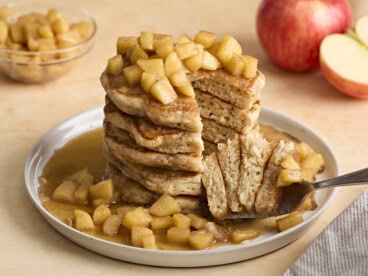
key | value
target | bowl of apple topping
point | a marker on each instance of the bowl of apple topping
(40, 43)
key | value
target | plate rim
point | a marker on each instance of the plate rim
(190, 254)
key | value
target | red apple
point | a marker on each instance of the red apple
(291, 31)
(344, 63)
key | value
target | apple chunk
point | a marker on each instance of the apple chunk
(344, 63)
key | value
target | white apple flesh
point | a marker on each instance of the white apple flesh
(361, 29)
(291, 31)
(344, 62)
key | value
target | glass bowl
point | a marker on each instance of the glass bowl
(43, 66)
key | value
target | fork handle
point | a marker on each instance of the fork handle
(354, 178)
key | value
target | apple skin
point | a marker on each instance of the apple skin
(291, 31)
(348, 87)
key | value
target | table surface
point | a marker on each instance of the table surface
(29, 245)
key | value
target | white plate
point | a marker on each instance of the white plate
(92, 119)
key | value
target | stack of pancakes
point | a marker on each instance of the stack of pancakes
(152, 148)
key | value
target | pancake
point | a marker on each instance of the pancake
(150, 136)
(125, 149)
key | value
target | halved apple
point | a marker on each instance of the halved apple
(344, 62)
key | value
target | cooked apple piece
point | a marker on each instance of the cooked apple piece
(187, 90)
(45, 46)
(177, 234)
(181, 220)
(30, 30)
(124, 43)
(101, 213)
(32, 44)
(149, 241)
(313, 162)
(303, 151)
(166, 205)
(186, 50)
(290, 163)
(137, 234)
(45, 31)
(159, 223)
(138, 217)
(179, 78)
(147, 80)
(82, 177)
(184, 38)
(289, 221)
(16, 33)
(361, 29)
(194, 63)
(163, 46)
(53, 14)
(83, 221)
(123, 210)
(250, 67)
(5, 11)
(82, 192)
(227, 47)
(287, 177)
(60, 25)
(115, 64)
(137, 53)
(163, 91)
(214, 47)
(146, 40)
(111, 225)
(235, 66)
(237, 236)
(210, 62)
(172, 64)
(65, 191)
(197, 221)
(154, 66)
(201, 239)
(103, 189)
(4, 30)
(83, 27)
(132, 74)
(311, 165)
(205, 38)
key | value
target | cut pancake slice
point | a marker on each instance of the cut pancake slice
(148, 135)
(158, 180)
(237, 91)
(134, 193)
(269, 196)
(183, 113)
(226, 114)
(209, 147)
(255, 152)
(124, 148)
(229, 156)
(215, 133)
(214, 185)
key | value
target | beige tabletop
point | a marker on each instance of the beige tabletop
(30, 246)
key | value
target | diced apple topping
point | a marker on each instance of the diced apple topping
(163, 91)
(132, 74)
(115, 64)
(205, 38)
(161, 66)
(125, 43)
(146, 40)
